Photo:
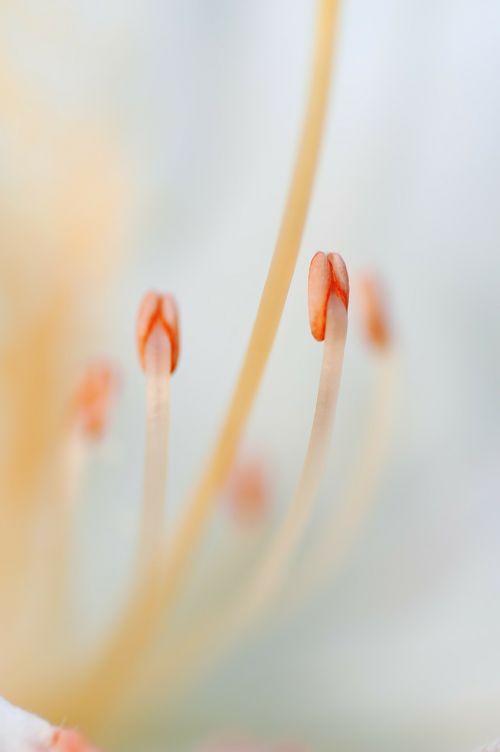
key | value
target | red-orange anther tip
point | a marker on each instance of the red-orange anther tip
(93, 398)
(327, 276)
(319, 286)
(158, 309)
(374, 311)
(340, 285)
(70, 741)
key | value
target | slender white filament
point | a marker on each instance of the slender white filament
(342, 528)
(157, 370)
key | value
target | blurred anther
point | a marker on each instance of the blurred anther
(93, 399)
(374, 311)
(249, 491)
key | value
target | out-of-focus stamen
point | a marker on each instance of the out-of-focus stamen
(158, 347)
(50, 556)
(248, 490)
(93, 398)
(375, 319)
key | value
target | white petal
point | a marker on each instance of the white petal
(21, 731)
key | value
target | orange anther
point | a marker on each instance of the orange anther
(327, 276)
(93, 398)
(374, 311)
(158, 310)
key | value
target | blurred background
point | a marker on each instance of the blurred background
(150, 144)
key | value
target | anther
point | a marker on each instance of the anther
(93, 398)
(327, 276)
(158, 310)
(374, 311)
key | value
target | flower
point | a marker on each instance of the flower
(110, 678)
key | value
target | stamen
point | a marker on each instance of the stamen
(158, 347)
(375, 318)
(226, 626)
(249, 491)
(272, 569)
(89, 416)
(340, 532)
(93, 398)
(48, 561)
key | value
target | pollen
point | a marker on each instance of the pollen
(327, 276)
(160, 310)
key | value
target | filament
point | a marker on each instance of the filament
(341, 530)
(157, 365)
(89, 411)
